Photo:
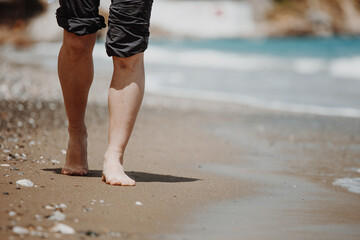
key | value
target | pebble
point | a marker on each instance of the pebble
(5, 165)
(138, 203)
(63, 151)
(58, 216)
(32, 143)
(25, 183)
(62, 228)
(91, 233)
(114, 234)
(55, 161)
(31, 121)
(20, 230)
(85, 209)
(6, 193)
(62, 205)
(12, 213)
(38, 218)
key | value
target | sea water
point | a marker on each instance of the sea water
(311, 75)
(307, 75)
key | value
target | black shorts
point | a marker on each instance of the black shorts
(129, 22)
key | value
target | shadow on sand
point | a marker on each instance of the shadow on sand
(137, 176)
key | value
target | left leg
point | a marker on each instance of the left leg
(125, 97)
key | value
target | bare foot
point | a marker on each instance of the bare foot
(76, 154)
(113, 171)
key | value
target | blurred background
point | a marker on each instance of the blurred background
(292, 55)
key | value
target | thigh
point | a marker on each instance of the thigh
(129, 22)
(80, 16)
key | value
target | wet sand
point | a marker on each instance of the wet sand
(204, 170)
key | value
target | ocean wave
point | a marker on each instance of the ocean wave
(352, 184)
(154, 86)
(211, 59)
(346, 68)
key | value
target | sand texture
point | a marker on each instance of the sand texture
(204, 170)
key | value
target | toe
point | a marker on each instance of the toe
(76, 172)
(114, 181)
(129, 182)
(65, 171)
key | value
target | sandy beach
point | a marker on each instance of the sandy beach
(204, 170)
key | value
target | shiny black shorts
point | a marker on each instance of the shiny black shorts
(129, 22)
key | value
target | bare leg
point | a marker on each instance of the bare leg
(125, 96)
(75, 68)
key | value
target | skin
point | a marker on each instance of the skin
(76, 72)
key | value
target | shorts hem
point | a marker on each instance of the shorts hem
(81, 26)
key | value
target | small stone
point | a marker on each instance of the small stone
(101, 201)
(91, 233)
(62, 205)
(57, 215)
(63, 151)
(5, 165)
(6, 193)
(32, 143)
(62, 228)
(85, 209)
(25, 183)
(138, 203)
(38, 218)
(55, 161)
(20, 173)
(20, 230)
(12, 213)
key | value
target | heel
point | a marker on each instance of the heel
(103, 178)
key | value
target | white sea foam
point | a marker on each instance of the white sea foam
(352, 184)
(309, 65)
(155, 86)
(346, 68)
(213, 59)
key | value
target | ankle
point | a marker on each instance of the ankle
(113, 155)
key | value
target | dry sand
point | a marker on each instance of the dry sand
(204, 170)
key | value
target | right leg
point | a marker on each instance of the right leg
(75, 68)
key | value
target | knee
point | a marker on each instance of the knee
(78, 47)
(130, 64)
